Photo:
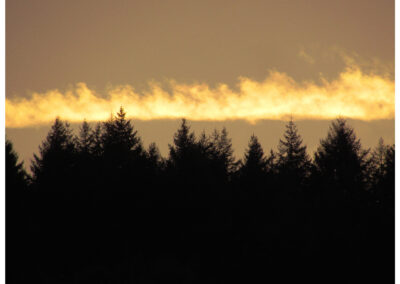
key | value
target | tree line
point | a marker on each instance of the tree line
(99, 207)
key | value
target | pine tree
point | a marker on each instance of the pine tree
(342, 212)
(254, 164)
(271, 163)
(376, 163)
(122, 157)
(97, 135)
(341, 161)
(223, 152)
(204, 145)
(119, 135)
(381, 175)
(56, 154)
(293, 161)
(253, 194)
(192, 168)
(184, 146)
(85, 143)
(154, 157)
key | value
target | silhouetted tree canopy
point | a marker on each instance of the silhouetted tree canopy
(100, 207)
(381, 175)
(293, 161)
(154, 156)
(56, 157)
(86, 141)
(183, 147)
(340, 160)
(223, 151)
(254, 161)
(119, 138)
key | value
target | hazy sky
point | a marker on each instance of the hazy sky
(313, 54)
(51, 44)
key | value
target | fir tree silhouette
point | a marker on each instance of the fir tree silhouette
(341, 161)
(254, 164)
(293, 161)
(56, 158)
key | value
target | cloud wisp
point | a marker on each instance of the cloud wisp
(353, 94)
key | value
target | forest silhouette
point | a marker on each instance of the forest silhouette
(101, 208)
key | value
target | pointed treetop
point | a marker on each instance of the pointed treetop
(341, 156)
(222, 150)
(121, 114)
(184, 138)
(119, 133)
(153, 154)
(60, 135)
(57, 150)
(341, 138)
(291, 152)
(86, 138)
(254, 156)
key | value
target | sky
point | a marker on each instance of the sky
(246, 65)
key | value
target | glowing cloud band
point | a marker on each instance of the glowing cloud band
(353, 94)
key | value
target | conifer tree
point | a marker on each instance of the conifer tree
(154, 157)
(341, 161)
(254, 164)
(293, 161)
(85, 142)
(377, 163)
(119, 136)
(271, 163)
(56, 154)
(253, 193)
(97, 134)
(192, 168)
(87, 159)
(184, 145)
(204, 145)
(381, 175)
(223, 152)
(122, 155)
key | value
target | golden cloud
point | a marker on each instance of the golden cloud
(353, 94)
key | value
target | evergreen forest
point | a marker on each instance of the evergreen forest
(99, 207)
